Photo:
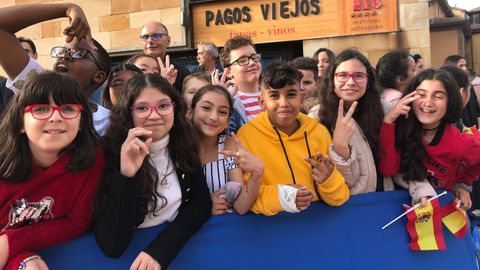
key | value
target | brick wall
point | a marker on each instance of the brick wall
(115, 24)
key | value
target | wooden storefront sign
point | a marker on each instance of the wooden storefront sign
(275, 20)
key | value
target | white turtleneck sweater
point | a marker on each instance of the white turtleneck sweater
(168, 185)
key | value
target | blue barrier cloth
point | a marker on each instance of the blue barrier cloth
(321, 237)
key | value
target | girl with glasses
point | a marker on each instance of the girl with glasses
(116, 83)
(351, 110)
(224, 158)
(50, 168)
(154, 174)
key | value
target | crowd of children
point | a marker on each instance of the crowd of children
(236, 141)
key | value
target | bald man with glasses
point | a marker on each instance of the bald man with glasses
(155, 40)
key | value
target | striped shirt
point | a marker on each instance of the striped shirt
(251, 103)
(216, 172)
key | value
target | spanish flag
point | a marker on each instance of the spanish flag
(454, 219)
(425, 227)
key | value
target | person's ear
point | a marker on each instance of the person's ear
(35, 56)
(99, 77)
(189, 113)
(168, 41)
(261, 100)
(228, 73)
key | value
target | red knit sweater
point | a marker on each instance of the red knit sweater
(446, 159)
(59, 207)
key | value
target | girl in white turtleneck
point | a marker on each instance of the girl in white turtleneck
(154, 174)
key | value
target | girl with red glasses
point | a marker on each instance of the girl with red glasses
(50, 167)
(351, 110)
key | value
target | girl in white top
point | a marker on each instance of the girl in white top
(223, 158)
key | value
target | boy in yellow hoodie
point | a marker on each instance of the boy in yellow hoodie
(292, 146)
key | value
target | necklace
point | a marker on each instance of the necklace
(430, 129)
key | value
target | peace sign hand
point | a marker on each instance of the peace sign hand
(224, 81)
(167, 71)
(401, 108)
(322, 167)
(344, 130)
(245, 160)
(134, 151)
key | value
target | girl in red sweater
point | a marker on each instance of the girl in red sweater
(50, 167)
(425, 146)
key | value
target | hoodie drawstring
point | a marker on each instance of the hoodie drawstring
(288, 160)
(285, 153)
(310, 156)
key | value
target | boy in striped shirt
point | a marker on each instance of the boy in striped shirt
(242, 64)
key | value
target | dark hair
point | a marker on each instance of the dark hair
(106, 99)
(452, 60)
(15, 154)
(461, 78)
(416, 57)
(199, 76)
(369, 112)
(330, 54)
(233, 44)
(213, 88)
(134, 58)
(278, 74)
(390, 66)
(306, 63)
(331, 58)
(30, 42)
(408, 131)
(181, 146)
(103, 58)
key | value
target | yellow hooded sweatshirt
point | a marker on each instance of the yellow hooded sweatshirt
(263, 140)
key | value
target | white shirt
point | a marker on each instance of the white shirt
(168, 186)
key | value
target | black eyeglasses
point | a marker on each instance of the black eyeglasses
(244, 60)
(45, 111)
(80, 53)
(154, 36)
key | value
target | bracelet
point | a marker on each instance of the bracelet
(23, 264)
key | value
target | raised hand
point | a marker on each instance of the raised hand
(167, 71)
(134, 151)
(78, 28)
(245, 160)
(322, 167)
(344, 130)
(401, 108)
(145, 262)
(222, 81)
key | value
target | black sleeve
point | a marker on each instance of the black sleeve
(193, 213)
(182, 72)
(116, 218)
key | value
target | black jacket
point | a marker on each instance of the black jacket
(116, 220)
